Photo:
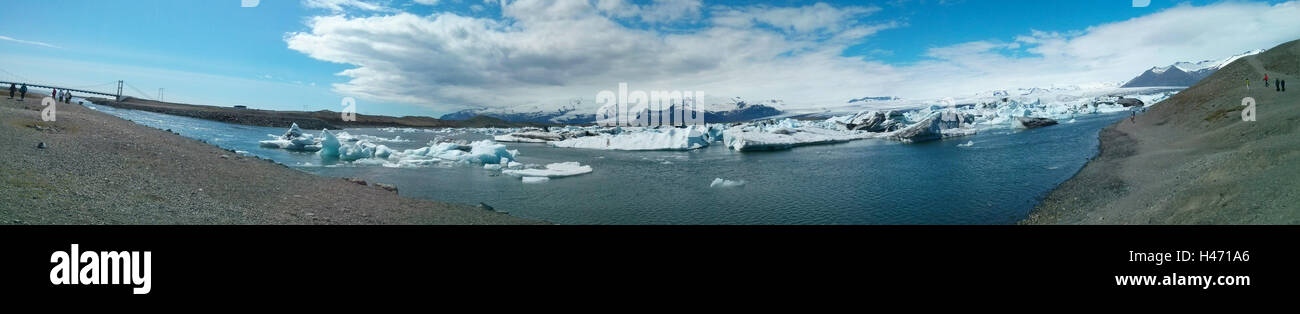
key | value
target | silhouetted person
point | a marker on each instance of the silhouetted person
(22, 92)
(12, 89)
(1284, 86)
(1278, 86)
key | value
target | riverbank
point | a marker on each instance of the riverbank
(1192, 159)
(323, 119)
(99, 169)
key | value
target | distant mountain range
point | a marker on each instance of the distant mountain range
(737, 110)
(1183, 73)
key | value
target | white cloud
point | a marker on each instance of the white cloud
(551, 51)
(341, 5)
(27, 42)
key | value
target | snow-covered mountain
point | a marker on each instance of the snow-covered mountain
(1183, 73)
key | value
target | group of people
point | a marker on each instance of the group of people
(1278, 85)
(22, 92)
(61, 96)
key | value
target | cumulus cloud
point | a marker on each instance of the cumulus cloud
(552, 51)
(342, 5)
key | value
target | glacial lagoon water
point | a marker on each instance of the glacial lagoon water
(997, 179)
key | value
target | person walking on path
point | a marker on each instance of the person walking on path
(12, 89)
(1266, 80)
(1247, 84)
(54, 93)
(22, 92)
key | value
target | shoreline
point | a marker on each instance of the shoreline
(323, 119)
(1192, 159)
(96, 168)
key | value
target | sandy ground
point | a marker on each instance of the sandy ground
(1193, 160)
(100, 169)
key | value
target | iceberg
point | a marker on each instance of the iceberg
(688, 138)
(720, 183)
(555, 170)
(535, 179)
(292, 140)
(529, 137)
(758, 139)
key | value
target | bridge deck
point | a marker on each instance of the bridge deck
(61, 88)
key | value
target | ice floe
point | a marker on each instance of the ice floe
(648, 139)
(559, 169)
(292, 140)
(721, 183)
(535, 179)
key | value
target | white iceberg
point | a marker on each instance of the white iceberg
(785, 135)
(535, 179)
(647, 139)
(720, 183)
(292, 140)
(555, 170)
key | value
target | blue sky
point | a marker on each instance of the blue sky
(407, 58)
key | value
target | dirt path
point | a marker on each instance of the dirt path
(100, 169)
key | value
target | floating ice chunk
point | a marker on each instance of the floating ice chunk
(329, 145)
(720, 183)
(967, 144)
(483, 152)
(492, 166)
(646, 139)
(559, 169)
(529, 137)
(758, 138)
(535, 179)
(344, 136)
(292, 140)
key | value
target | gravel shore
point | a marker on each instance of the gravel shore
(1192, 159)
(99, 169)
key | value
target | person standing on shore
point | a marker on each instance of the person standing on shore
(54, 93)
(12, 89)
(1266, 80)
(22, 92)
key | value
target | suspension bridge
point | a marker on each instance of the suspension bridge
(14, 79)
